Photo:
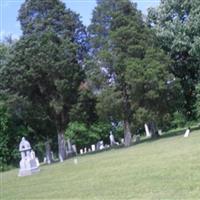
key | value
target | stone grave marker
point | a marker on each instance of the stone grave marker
(29, 164)
(81, 151)
(93, 147)
(187, 133)
(148, 134)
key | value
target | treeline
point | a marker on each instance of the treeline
(62, 81)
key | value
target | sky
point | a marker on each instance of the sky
(9, 12)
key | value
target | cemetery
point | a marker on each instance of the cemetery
(167, 168)
(99, 99)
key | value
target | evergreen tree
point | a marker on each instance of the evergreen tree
(123, 50)
(45, 67)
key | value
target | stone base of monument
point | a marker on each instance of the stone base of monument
(28, 167)
(28, 172)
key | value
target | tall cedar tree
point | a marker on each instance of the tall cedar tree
(122, 45)
(45, 67)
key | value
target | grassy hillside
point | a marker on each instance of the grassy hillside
(168, 168)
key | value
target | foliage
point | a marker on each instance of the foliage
(84, 136)
(131, 72)
(84, 110)
(197, 106)
(45, 68)
(178, 120)
(177, 24)
(10, 136)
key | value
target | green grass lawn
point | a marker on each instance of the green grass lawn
(168, 168)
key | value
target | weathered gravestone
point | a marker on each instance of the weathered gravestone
(101, 147)
(81, 151)
(98, 145)
(187, 132)
(48, 153)
(136, 138)
(122, 140)
(74, 149)
(93, 147)
(70, 149)
(29, 164)
(148, 134)
(112, 139)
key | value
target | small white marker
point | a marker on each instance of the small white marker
(75, 161)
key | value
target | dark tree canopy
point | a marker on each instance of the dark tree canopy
(45, 67)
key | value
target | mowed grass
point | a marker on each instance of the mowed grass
(167, 168)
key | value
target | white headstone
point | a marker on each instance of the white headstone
(45, 160)
(112, 139)
(81, 151)
(148, 134)
(75, 161)
(101, 145)
(74, 149)
(187, 132)
(122, 140)
(85, 150)
(93, 147)
(160, 132)
(29, 164)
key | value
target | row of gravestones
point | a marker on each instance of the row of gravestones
(100, 145)
(29, 163)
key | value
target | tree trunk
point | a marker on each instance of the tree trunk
(48, 152)
(153, 130)
(61, 146)
(127, 134)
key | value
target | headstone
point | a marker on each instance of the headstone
(106, 146)
(112, 139)
(69, 149)
(85, 150)
(45, 160)
(35, 158)
(98, 146)
(160, 132)
(74, 149)
(75, 161)
(48, 152)
(52, 156)
(122, 140)
(89, 150)
(61, 158)
(148, 134)
(93, 147)
(101, 147)
(136, 138)
(81, 151)
(187, 132)
(29, 164)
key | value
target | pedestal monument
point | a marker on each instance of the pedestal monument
(29, 164)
